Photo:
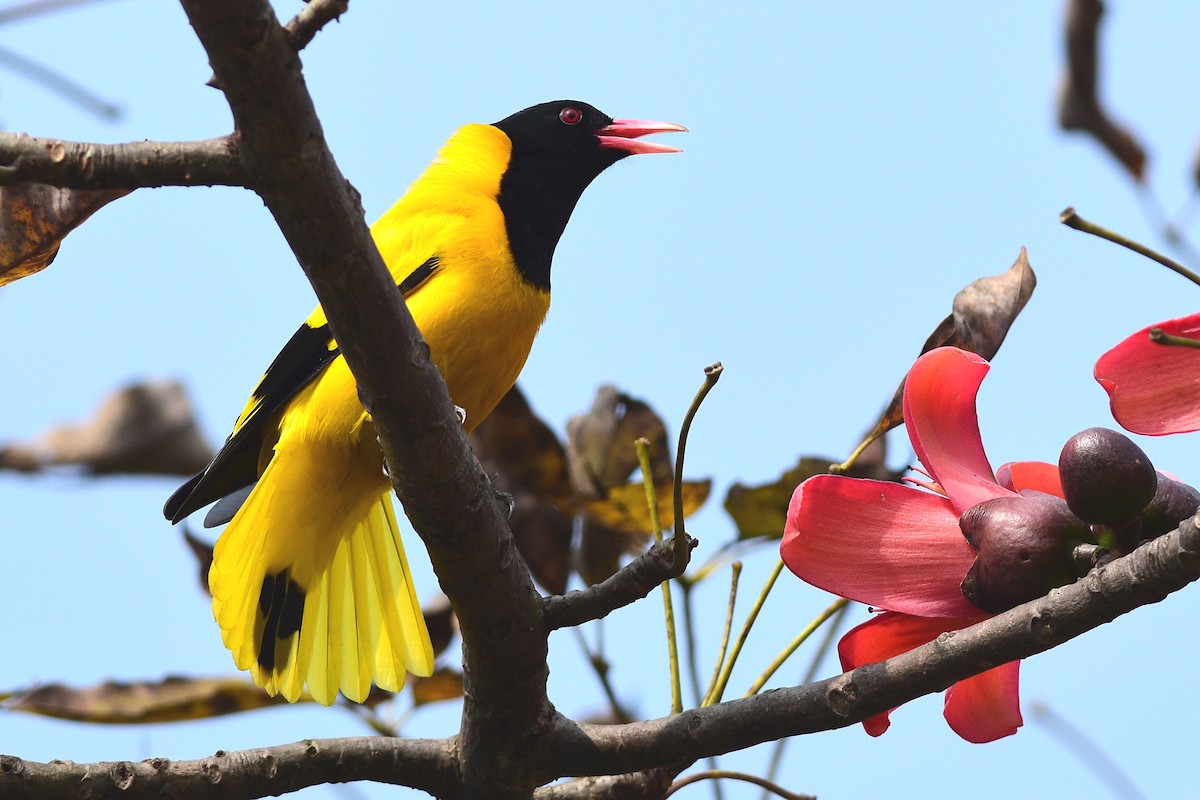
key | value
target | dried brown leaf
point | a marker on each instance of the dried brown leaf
(601, 549)
(515, 443)
(619, 524)
(444, 684)
(981, 315)
(600, 450)
(146, 428)
(35, 218)
(529, 463)
(171, 700)
(625, 509)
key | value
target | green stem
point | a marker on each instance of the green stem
(1073, 220)
(834, 607)
(643, 454)
(715, 695)
(733, 586)
(712, 374)
(831, 632)
(1158, 336)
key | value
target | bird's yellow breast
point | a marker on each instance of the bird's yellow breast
(476, 312)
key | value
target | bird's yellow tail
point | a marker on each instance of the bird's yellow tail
(319, 594)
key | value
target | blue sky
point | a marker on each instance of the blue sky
(849, 167)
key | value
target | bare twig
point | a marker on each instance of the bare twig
(315, 14)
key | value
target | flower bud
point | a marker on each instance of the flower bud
(1106, 478)
(1173, 503)
(1025, 549)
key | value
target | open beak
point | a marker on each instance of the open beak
(623, 134)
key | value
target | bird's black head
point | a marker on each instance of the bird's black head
(558, 148)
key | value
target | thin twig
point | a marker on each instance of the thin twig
(1073, 220)
(599, 666)
(682, 549)
(1099, 763)
(736, 571)
(719, 690)
(714, 774)
(59, 84)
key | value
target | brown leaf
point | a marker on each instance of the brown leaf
(146, 428)
(440, 622)
(985, 309)
(1079, 106)
(530, 464)
(203, 551)
(980, 318)
(619, 524)
(601, 549)
(522, 448)
(543, 532)
(34, 219)
(761, 511)
(600, 450)
(625, 508)
(171, 700)
(444, 684)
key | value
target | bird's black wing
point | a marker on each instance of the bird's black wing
(235, 466)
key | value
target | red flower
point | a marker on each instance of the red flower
(1153, 388)
(900, 549)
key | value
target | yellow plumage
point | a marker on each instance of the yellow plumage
(310, 584)
(345, 553)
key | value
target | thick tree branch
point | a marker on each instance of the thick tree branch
(444, 491)
(1145, 576)
(421, 763)
(136, 165)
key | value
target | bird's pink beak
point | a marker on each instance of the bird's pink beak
(623, 134)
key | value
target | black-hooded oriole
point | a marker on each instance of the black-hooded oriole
(309, 580)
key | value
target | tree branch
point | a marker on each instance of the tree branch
(445, 493)
(426, 764)
(628, 585)
(1145, 576)
(136, 165)
(304, 26)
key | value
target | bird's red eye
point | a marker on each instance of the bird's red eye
(570, 115)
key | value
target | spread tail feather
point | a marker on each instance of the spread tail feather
(318, 599)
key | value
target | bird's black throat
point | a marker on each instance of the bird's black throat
(537, 197)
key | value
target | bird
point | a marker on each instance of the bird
(310, 584)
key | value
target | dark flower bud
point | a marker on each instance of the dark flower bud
(1025, 549)
(1173, 503)
(1106, 478)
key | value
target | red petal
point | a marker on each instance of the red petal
(879, 543)
(887, 635)
(939, 410)
(1037, 475)
(986, 707)
(1152, 387)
